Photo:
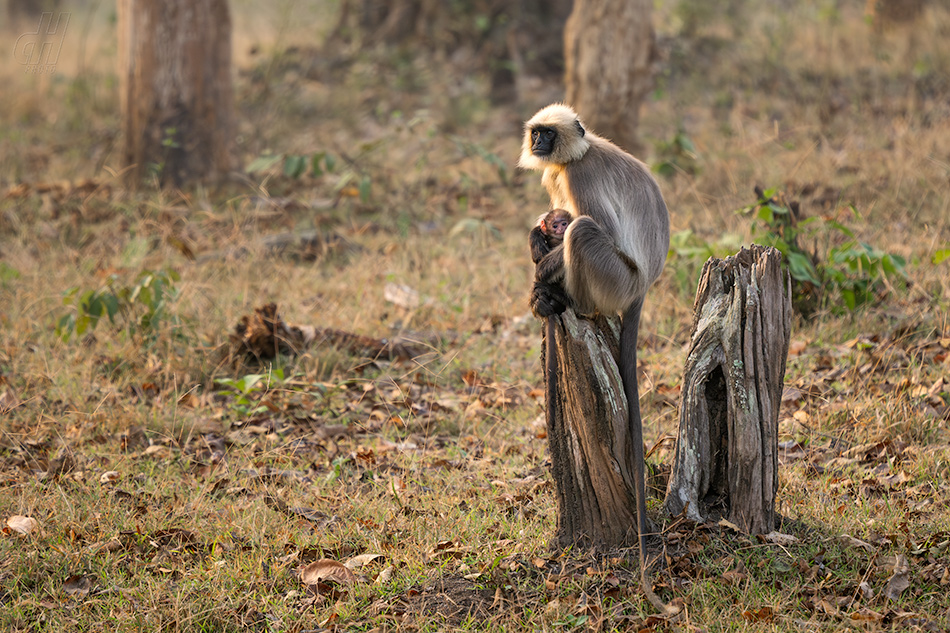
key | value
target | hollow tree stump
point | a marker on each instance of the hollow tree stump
(588, 435)
(726, 463)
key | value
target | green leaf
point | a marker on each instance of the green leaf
(8, 273)
(263, 162)
(294, 166)
(144, 296)
(841, 228)
(65, 326)
(665, 169)
(249, 382)
(330, 162)
(889, 266)
(849, 299)
(82, 324)
(941, 256)
(775, 241)
(365, 189)
(95, 307)
(685, 142)
(802, 268)
(315, 169)
(111, 303)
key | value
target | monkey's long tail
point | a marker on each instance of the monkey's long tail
(629, 332)
(550, 373)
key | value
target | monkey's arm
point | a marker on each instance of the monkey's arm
(538, 242)
(551, 267)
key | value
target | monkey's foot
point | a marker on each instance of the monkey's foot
(547, 299)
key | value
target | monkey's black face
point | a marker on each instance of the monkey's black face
(542, 140)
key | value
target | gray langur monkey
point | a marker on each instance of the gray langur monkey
(612, 251)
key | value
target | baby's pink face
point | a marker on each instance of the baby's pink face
(559, 226)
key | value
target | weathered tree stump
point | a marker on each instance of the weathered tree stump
(588, 435)
(726, 463)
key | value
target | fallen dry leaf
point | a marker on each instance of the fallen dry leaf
(362, 560)
(847, 539)
(8, 400)
(77, 586)
(866, 615)
(762, 614)
(326, 570)
(402, 295)
(384, 576)
(828, 607)
(899, 580)
(781, 539)
(734, 576)
(21, 524)
(109, 477)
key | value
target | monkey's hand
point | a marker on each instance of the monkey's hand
(548, 299)
(538, 243)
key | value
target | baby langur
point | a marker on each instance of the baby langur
(548, 233)
(612, 252)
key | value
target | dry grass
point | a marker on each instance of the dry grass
(439, 465)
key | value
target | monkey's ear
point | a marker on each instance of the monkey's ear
(580, 128)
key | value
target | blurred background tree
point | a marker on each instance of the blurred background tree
(609, 52)
(175, 89)
(518, 43)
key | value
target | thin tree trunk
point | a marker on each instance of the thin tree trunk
(608, 54)
(726, 462)
(175, 89)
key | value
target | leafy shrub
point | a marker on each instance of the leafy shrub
(138, 308)
(248, 391)
(688, 252)
(845, 274)
(676, 156)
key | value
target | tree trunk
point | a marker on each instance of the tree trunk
(175, 89)
(726, 463)
(608, 52)
(588, 433)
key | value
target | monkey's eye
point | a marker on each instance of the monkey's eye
(548, 135)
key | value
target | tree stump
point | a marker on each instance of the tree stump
(726, 463)
(588, 435)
